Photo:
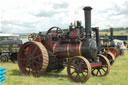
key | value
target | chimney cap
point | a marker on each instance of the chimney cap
(87, 8)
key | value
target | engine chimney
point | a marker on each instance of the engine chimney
(96, 30)
(111, 34)
(87, 12)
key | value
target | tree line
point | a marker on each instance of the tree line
(115, 29)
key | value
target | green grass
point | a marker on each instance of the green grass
(23, 36)
(118, 76)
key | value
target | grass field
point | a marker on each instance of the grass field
(118, 76)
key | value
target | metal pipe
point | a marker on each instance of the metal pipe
(97, 36)
(96, 30)
(111, 34)
(87, 13)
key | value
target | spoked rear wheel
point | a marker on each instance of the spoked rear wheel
(101, 70)
(79, 69)
(32, 58)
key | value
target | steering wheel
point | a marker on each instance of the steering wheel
(57, 30)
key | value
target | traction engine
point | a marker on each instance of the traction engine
(110, 50)
(75, 49)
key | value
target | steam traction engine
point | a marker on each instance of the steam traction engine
(53, 51)
(107, 46)
(109, 52)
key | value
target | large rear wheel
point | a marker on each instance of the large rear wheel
(32, 58)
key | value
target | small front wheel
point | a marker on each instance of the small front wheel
(109, 56)
(79, 69)
(114, 51)
(102, 70)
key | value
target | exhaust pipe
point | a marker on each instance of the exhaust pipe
(87, 13)
(96, 30)
(111, 34)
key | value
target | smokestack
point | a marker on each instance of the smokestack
(111, 34)
(96, 30)
(97, 36)
(87, 12)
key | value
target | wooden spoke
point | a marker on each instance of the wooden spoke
(38, 56)
(103, 69)
(100, 72)
(37, 62)
(83, 74)
(35, 50)
(85, 71)
(73, 72)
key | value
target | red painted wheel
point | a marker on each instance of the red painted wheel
(101, 70)
(114, 51)
(79, 69)
(32, 58)
(109, 56)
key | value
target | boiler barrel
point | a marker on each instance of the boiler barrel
(86, 48)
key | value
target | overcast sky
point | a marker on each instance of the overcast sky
(26, 16)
